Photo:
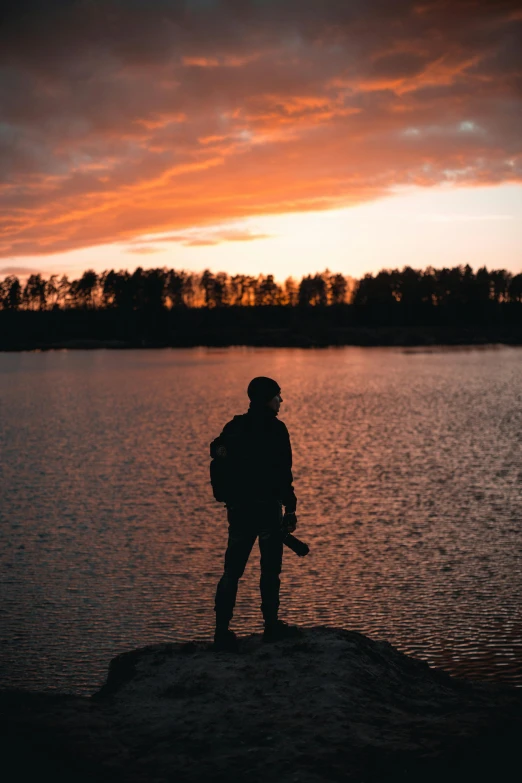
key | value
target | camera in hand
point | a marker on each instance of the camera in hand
(299, 547)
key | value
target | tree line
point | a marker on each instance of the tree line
(170, 289)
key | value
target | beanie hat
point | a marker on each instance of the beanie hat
(261, 390)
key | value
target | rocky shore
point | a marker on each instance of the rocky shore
(330, 706)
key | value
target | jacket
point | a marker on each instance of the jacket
(261, 458)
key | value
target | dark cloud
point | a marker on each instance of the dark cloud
(125, 118)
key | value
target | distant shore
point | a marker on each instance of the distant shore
(281, 327)
(282, 338)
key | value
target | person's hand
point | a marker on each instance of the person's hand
(289, 521)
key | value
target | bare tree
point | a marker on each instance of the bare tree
(290, 292)
(337, 289)
(34, 294)
(11, 293)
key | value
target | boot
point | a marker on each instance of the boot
(275, 630)
(225, 640)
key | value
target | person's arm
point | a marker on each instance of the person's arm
(288, 497)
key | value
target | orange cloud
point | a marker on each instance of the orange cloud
(144, 250)
(121, 120)
(201, 62)
(201, 238)
(21, 271)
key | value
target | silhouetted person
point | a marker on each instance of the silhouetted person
(259, 483)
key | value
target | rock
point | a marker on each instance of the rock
(333, 705)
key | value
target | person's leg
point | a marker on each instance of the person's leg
(241, 538)
(271, 548)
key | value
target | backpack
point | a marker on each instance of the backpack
(225, 456)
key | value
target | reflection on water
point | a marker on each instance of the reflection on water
(407, 468)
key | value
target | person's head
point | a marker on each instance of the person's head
(265, 393)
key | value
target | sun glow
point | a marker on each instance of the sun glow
(415, 227)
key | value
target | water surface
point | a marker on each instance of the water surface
(408, 472)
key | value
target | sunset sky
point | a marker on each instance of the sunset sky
(273, 136)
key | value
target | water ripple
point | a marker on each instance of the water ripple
(407, 469)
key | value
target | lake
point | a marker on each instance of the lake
(408, 472)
